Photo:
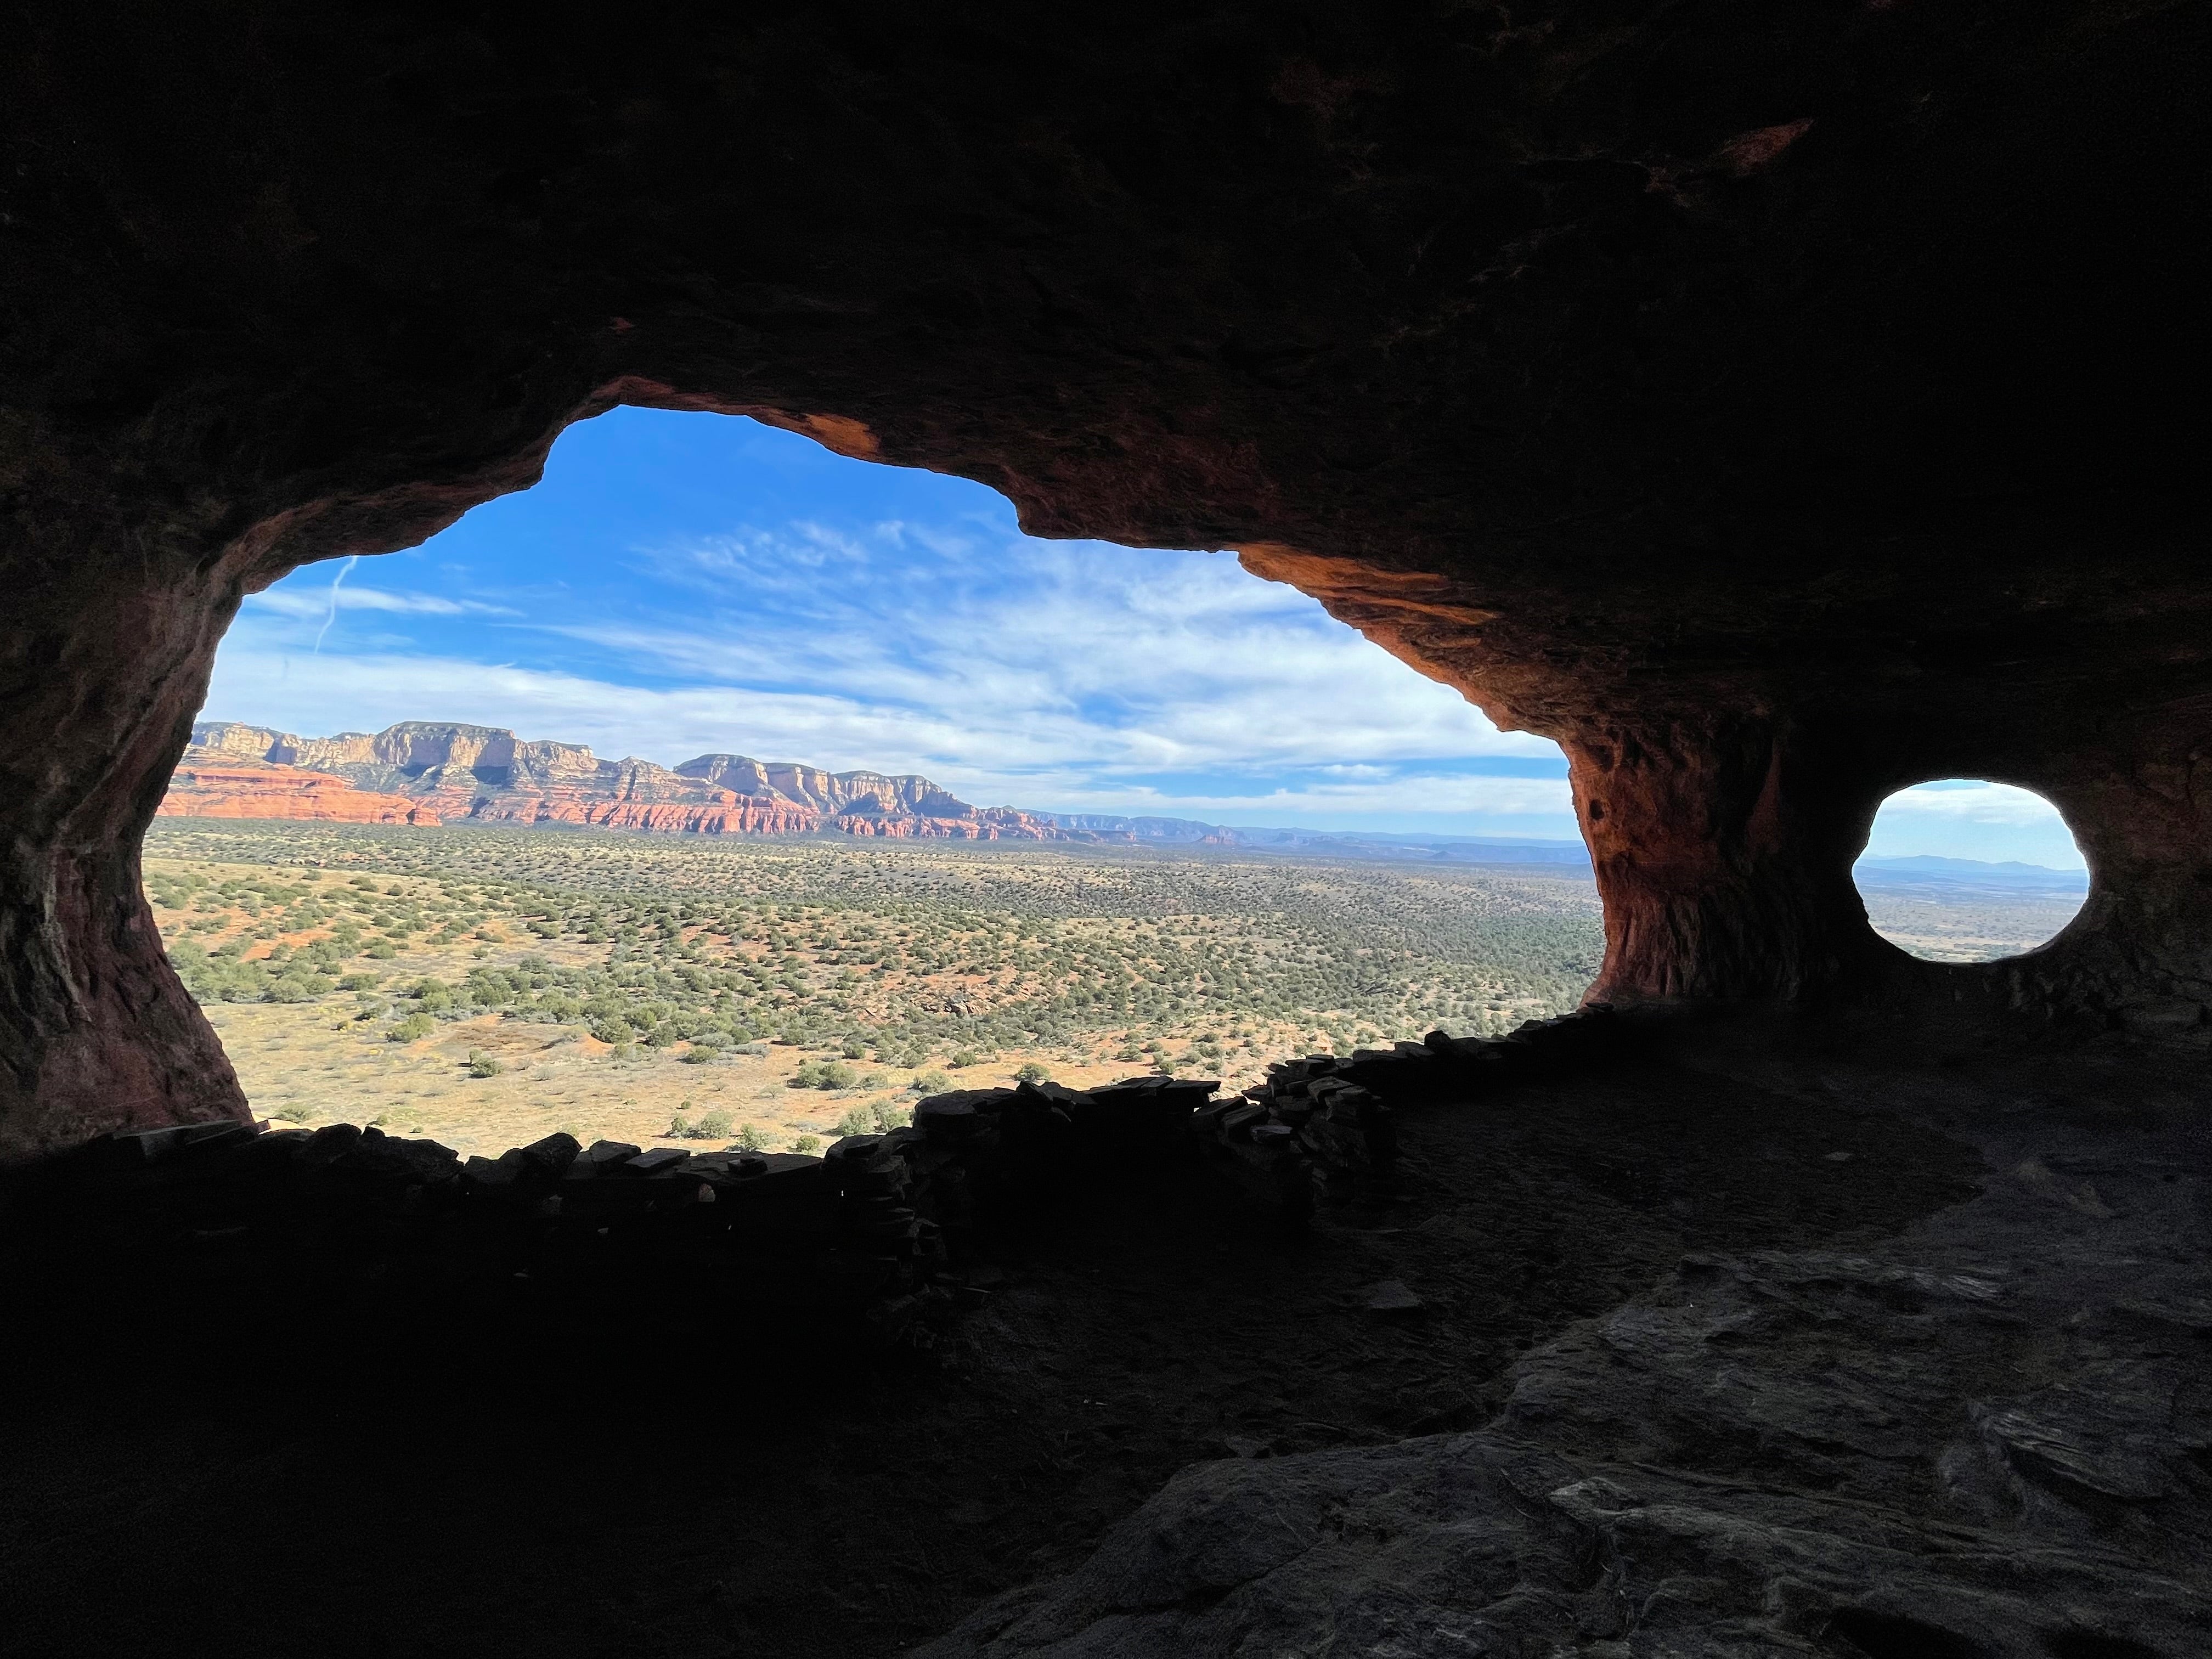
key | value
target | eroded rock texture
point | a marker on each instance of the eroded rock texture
(1775, 408)
(438, 772)
(1984, 1438)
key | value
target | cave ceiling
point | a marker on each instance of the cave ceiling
(1837, 359)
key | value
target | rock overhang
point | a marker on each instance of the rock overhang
(1772, 414)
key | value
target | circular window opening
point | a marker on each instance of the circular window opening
(1965, 870)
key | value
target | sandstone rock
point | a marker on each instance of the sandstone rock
(210, 784)
(1792, 1452)
(424, 771)
(1772, 435)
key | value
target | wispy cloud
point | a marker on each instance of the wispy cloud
(1010, 754)
(1967, 818)
(1142, 659)
(682, 584)
(1974, 801)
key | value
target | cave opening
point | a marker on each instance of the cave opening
(722, 787)
(1763, 406)
(1970, 870)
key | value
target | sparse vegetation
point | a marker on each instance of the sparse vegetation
(880, 971)
(1966, 924)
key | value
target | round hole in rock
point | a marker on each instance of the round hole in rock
(1967, 870)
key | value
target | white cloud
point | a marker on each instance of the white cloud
(1010, 755)
(1150, 661)
(1971, 818)
(1974, 801)
(1398, 797)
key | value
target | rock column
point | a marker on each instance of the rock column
(107, 661)
(1722, 851)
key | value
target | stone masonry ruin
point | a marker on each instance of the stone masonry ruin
(1775, 408)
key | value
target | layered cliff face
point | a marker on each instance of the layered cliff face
(216, 783)
(831, 792)
(1775, 409)
(422, 772)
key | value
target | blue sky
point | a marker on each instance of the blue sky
(682, 583)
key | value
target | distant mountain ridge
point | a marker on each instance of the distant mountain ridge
(427, 772)
(1354, 843)
(453, 772)
(1929, 869)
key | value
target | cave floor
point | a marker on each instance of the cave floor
(198, 1464)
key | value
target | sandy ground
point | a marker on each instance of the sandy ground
(313, 1063)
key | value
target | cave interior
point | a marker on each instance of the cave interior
(1775, 408)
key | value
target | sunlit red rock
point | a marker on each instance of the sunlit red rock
(421, 772)
(211, 784)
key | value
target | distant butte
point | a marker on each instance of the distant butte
(424, 772)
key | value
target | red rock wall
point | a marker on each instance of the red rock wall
(96, 1033)
(201, 791)
(732, 817)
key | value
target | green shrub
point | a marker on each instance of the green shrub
(361, 981)
(381, 951)
(696, 1055)
(858, 1121)
(929, 1083)
(751, 1137)
(482, 1065)
(807, 1144)
(413, 1029)
(885, 1116)
(964, 1057)
(662, 1035)
(616, 1031)
(854, 1051)
(302, 983)
(295, 1113)
(714, 1126)
(835, 1074)
(1029, 1071)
